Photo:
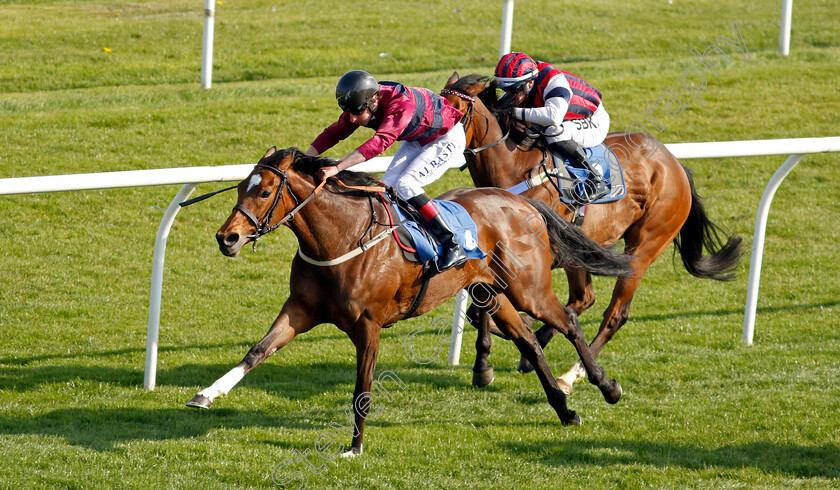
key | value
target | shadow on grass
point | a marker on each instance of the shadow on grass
(760, 311)
(23, 360)
(295, 382)
(244, 344)
(796, 461)
(105, 428)
(102, 429)
(304, 381)
(281, 380)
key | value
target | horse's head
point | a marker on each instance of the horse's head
(264, 198)
(470, 84)
(484, 115)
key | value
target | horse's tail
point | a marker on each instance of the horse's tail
(571, 247)
(699, 233)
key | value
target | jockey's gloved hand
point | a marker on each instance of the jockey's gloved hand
(519, 125)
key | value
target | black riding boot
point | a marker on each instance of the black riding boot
(452, 254)
(592, 189)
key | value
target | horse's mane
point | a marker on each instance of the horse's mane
(309, 165)
(500, 109)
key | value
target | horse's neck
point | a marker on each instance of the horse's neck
(329, 222)
(501, 166)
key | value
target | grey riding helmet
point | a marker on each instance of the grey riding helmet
(354, 91)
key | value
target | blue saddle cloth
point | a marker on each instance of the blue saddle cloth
(567, 176)
(601, 156)
(459, 221)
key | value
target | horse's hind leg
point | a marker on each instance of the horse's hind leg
(482, 370)
(581, 294)
(581, 297)
(544, 336)
(483, 373)
(509, 321)
(292, 320)
(609, 388)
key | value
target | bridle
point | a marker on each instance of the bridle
(469, 116)
(264, 226)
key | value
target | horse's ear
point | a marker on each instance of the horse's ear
(454, 78)
(271, 151)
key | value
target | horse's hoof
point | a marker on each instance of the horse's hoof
(564, 386)
(483, 378)
(575, 420)
(524, 366)
(200, 401)
(615, 394)
(352, 453)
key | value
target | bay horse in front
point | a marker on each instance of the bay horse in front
(366, 291)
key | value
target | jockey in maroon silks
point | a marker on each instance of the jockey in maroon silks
(431, 137)
(563, 106)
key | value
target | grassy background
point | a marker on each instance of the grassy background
(700, 408)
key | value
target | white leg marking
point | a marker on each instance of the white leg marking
(579, 370)
(572, 376)
(223, 385)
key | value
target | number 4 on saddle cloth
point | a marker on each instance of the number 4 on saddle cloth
(420, 246)
(565, 177)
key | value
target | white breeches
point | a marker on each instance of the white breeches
(415, 166)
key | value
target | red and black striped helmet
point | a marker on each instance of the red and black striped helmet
(514, 69)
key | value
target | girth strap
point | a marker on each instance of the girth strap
(425, 278)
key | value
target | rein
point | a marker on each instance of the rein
(474, 151)
(361, 248)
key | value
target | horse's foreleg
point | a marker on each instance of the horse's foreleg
(483, 373)
(293, 319)
(511, 323)
(616, 313)
(365, 337)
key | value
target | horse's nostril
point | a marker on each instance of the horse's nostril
(227, 240)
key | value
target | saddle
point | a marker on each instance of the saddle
(600, 156)
(422, 247)
(417, 244)
(560, 173)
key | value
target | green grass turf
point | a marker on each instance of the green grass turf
(700, 408)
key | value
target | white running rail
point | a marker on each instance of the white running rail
(192, 176)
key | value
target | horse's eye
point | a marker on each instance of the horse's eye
(265, 193)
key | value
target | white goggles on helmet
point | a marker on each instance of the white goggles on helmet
(505, 82)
